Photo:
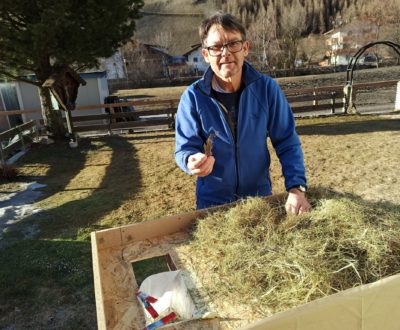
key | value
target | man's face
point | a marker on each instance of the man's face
(227, 65)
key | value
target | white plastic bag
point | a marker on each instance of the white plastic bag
(171, 292)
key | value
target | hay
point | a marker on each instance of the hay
(254, 254)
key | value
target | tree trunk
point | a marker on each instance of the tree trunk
(52, 118)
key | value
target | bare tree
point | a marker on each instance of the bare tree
(142, 63)
(394, 20)
(293, 24)
(164, 39)
(265, 48)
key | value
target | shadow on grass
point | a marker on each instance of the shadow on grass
(355, 127)
(47, 284)
(78, 217)
(139, 96)
(151, 136)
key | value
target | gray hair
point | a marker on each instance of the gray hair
(226, 21)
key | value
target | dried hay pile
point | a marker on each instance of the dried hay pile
(254, 254)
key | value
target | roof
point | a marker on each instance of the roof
(93, 74)
(157, 48)
(194, 47)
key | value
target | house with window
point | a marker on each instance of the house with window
(195, 60)
(177, 67)
(344, 42)
(144, 61)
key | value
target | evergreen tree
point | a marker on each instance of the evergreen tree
(41, 36)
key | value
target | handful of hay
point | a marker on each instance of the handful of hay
(255, 254)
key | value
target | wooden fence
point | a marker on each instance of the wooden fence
(15, 139)
(151, 114)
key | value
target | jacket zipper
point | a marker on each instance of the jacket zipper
(234, 138)
(233, 135)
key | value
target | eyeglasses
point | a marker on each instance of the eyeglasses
(233, 47)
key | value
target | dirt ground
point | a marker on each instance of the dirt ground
(359, 156)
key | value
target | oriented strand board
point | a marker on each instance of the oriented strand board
(368, 307)
(115, 284)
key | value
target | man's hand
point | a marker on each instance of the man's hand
(297, 202)
(200, 165)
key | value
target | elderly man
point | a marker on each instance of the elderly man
(224, 120)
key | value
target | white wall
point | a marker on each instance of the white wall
(340, 60)
(200, 64)
(114, 66)
(94, 92)
(29, 100)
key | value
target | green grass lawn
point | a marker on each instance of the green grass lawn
(46, 281)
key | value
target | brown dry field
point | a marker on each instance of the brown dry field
(352, 154)
(339, 78)
(357, 155)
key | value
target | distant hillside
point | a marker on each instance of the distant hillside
(177, 33)
(174, 23)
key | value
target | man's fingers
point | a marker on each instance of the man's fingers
(297, 210)
(304, 209)
(291, 208)
(207, 167)
(297, 203)
(204, 168)
(195, 161)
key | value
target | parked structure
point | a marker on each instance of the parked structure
(17, 95)
(144, 61)
(195, 60)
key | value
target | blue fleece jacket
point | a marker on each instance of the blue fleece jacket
(241, 167)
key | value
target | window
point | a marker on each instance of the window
(9, 101)
(195, 59)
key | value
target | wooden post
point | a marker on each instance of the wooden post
(315, 102)
(36, 130)
(2, 158)
(70, 124)
(111, 120)
(353, 96)
(333, 96)
(21, 137)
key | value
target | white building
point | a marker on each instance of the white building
(345, 41)
(114, 66)
(19, 95)
(195, 60)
